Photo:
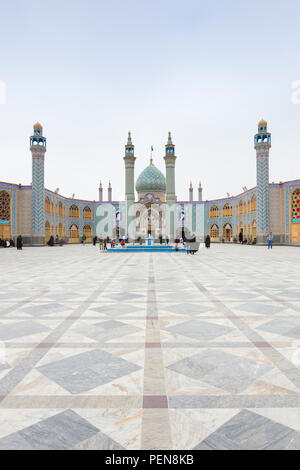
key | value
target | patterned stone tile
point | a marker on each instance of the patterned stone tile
(59, 432)
(250, 431)
(201, 330)
(83, 372)
(222, 370)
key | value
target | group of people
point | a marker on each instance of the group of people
(5, 243)
(55, 241)
(103, 241)
(245, 241)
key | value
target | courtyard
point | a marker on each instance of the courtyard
(150, 350)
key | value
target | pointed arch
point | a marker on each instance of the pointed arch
(47, 205)
(5, 215)
(87, 212)
(74, 233)
(295, 216)
(227, 210)
(47, 231)
(253, 203)
(214, 232)
(213, 212)
(227, 232)
(74, 211)
(87, 232)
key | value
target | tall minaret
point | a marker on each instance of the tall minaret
(38, 149)
(129, 160)
(100, 192)
(170, 159)
(191, 192)
(109, 192)
(199, 192)
(262, 144)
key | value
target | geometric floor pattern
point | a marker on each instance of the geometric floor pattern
(150, 350)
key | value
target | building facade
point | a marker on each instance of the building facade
(150, 206)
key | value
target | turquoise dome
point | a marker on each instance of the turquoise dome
(151, 179)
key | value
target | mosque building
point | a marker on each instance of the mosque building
(150, 206)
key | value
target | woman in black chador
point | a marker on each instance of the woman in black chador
(207, 241)
(19, 242)
(51, 241)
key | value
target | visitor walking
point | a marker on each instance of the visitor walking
(19, 242)
(101, 244)
(270, 240)
(240, 237)
(207, 241)
(105, 244)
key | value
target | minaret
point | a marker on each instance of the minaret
(109, 192)
(129, 160)
(38, 149)
(200, 192)
(170, 159)
(262, 144)
(100, 192)
(191, 192)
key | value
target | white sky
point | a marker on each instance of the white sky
(90, 71)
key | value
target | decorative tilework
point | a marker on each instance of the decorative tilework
(151, 179)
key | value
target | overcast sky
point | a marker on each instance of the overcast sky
(90, 70)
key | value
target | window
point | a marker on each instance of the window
(214, 232)
(295, 204)
(227, 210)
(87, 212)
(213, 212)
(47, 205)
(74, 212)
(4, 206)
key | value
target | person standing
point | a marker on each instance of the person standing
(51, 241)
(19, 242)
(207, 241)
(270, 240)
(240, 237)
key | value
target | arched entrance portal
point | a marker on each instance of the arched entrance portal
(214, 233)
(295, 216)
(227, 232)
(5, 226)
(74, 233)
(253, 230)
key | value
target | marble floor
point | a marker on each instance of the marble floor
(148, 350)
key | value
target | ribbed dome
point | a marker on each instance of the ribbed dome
(151, 179)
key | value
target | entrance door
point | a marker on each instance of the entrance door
(227, 232)
(295, 232)
(5, 232)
